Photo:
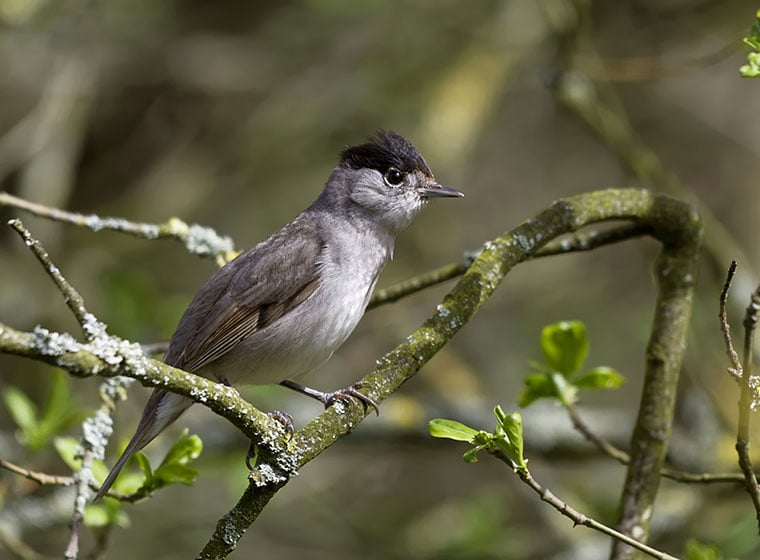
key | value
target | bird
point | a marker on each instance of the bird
(282, 307)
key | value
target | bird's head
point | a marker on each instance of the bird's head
(388, 177)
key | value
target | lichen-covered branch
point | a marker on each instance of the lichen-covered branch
(675, 224)
(111, 356)
(198, 240)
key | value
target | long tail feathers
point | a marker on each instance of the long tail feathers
(161, 410)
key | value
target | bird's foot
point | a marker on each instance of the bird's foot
(253, 449)
(349, 394)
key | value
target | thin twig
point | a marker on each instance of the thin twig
(45, 479)
(416, 284)
(40, 478)
(623, 458)
(747, 403)
(198, 240)
(579, 518)
(98, 428)
(725, 327)
(19, 548)
(70, 295)
(573, 243)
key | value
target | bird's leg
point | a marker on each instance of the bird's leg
(348, 394)
(282, 417)
(253, 449)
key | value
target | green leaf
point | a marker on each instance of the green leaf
(185, 449)
(175, 473)
(105, 514)
(601, 377)
(513, 426)
(22, 410)
(451, 429)
(501, 416)
(696, 550)
(753, 36)
(567, 392)
(59, 401)
(565, 346)
(67, 448)
(96, 516)
(537, 386)
(144, 463)
(128, 482)
(752, 68)
(471, 455)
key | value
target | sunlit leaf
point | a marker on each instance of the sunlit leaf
(67, 448)
(696, 550)
(752, 68)
(565, 390)
(96, 516)
(565, 346)
(471, 455)
(601, 377)
(537, 386)
(187, 448)
(144, 463)
(753, 35)
(105, 514)
(451, 429)
(513, 426)
(175, 473)
(22, 410)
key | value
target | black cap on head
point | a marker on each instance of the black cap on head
(385, 150)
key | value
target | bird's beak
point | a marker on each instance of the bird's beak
(437, 190)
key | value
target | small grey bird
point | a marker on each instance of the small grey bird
(282, 307)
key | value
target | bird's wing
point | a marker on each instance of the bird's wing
(254, 290)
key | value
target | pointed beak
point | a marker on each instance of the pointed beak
(436, 190)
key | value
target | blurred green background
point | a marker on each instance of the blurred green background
(231, 114)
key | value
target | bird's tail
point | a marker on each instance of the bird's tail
(162, 409)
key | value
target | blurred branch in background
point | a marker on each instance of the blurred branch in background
(595, 102)
(198, 240)
(44, 146)
(749, 399)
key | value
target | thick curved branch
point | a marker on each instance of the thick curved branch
(111, 356)
(675, 224)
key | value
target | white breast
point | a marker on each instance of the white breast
(308, 335)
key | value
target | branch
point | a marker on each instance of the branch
(198, 240)
(736, 367)
(624, 459)
(742, 372)
(72, 298)
(111, 356)
(580, 519)
(45, 479)
(573, 243)
(748, 403)
(675, 224)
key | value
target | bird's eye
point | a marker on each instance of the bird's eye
(394, 177)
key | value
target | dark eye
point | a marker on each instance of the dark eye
(394, 176)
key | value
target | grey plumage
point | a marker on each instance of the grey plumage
(282, 307)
